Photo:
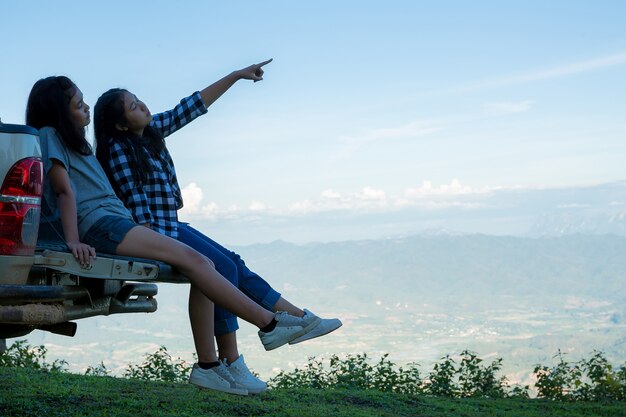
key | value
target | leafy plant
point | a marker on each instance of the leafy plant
(555, 383)
(159, 366)
(99, 370)
(353, 371)
(601, 382)
(22, 355)
(441, 381)
(476, 380)
(590, 379)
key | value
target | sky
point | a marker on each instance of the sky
(368, 108)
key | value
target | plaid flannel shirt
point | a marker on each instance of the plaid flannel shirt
(156, 202)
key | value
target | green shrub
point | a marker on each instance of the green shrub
(470, 378)
(586, 380)
(593, 379)
(441, 381)
(159, 366)
(22, 355)
(353, 371)
(476, 380)
(99, 370)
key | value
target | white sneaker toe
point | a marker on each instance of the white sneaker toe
(325, 326)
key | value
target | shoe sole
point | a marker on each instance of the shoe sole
(235, 391)
(304, 330)
(309, 336)
(256, 391)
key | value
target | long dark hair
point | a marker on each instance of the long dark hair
(48, 105)
(108, 114)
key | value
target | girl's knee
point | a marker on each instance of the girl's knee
(191, 257)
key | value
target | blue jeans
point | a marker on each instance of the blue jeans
(233, 268)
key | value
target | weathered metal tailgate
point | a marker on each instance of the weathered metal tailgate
(54, 255)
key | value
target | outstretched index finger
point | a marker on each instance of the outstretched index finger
(260, 64)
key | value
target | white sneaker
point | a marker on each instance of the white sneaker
(217, 378)
(325, 326)
(243, 377)
(287, 329)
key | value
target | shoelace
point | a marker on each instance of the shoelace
(239, 371)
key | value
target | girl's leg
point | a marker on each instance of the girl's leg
(225, 322)
(201, 319)
(227, 345)
(142, 242)
(249, 282)
(285, 305)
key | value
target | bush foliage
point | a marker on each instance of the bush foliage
(160, 366)
(592, 379)
(467, 376)
(22, 355)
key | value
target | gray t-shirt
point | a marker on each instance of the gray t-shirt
(94, 195)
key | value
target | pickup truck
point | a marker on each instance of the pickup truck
(41, 284)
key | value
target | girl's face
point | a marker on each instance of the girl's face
(79, 110)
(137, 115)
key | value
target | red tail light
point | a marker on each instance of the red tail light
(20, 207)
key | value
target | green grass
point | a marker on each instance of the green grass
(28, 392)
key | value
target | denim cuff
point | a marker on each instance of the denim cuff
(226, 326)
(269, 301)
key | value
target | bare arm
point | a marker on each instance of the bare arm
(60, 181)
(211, 93)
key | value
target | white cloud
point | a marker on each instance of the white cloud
(371, 194)
(257, 206)
(573, 205)
(455, 188)
(366, 200)
(369, 199)
(330, 194)
(192, 198)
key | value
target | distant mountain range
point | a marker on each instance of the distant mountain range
(448, 267)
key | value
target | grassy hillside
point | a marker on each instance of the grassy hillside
(27, 392)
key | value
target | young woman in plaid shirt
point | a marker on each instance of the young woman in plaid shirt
(132, 151)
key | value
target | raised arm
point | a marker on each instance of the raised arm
(60, 181)
(196, 105)
(211, 93)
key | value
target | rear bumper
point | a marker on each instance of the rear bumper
(24, 308)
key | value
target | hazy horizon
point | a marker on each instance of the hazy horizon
(520, 211)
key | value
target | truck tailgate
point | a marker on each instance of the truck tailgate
(55, 255)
